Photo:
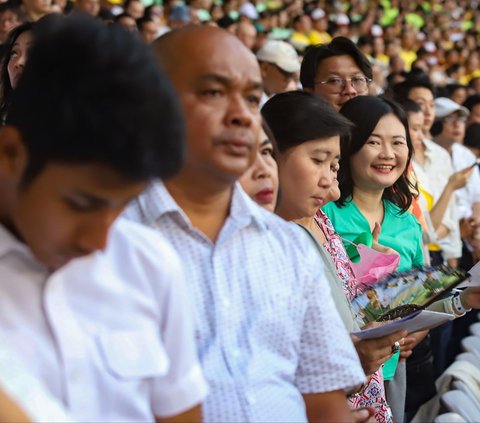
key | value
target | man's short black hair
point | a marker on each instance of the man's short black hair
(92, 93)
(451, 88)
(339, 46)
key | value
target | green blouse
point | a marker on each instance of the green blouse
(402, 232)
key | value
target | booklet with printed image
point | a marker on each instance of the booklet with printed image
(403, 293)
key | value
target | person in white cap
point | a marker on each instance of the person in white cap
(449, 131)
(279, 66)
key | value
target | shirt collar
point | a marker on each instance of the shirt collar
(157, 202)
(10, 244)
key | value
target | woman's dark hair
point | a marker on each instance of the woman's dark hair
(365, 112)
(92, 93)
(6, 88)
(271, 137)
(297, 116)
(339, 46)
(472, 101)
(472, 135)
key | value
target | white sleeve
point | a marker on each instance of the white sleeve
(184, 386)
(328, 360)
(451, 244)
(29, 393)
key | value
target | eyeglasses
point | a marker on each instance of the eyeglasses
(455, 119)
(359, 83)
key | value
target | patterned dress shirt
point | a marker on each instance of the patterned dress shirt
(266, 326)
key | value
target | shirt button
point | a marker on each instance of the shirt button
(250, 399)
(226, 302)
(236, 353)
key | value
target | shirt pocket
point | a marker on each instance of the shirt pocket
(134, 354)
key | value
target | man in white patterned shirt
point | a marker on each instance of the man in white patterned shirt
(270, 340)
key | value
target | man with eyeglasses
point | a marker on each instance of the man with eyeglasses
(449, 131)
(337, 71)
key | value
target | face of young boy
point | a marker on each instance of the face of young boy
(66, 211)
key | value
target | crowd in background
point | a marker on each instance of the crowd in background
(436, 37)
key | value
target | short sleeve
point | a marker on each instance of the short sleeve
(28, 392)
(327, 360)
(184, 386)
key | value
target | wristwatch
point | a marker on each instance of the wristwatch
(457, 305)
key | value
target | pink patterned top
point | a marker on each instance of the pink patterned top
(373, 394)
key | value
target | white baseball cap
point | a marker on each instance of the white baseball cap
(317, 14)
(281, 54)
(248, 10)
(444, 107)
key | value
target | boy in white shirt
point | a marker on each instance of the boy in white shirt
(92, 121)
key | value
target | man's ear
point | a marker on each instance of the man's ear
(13, 154)
(263, 69)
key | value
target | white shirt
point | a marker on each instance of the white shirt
(433, 177)
(109, 334)
(28, 392)
(462, 157)
(266, 326)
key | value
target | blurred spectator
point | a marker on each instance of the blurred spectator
(364, 43)
(379, 83)
(247, 34)
(472, 103)
(421, 91)
(17, 48)
(148, 29)
(472, 139)
(127, 21)
(341, 26)
(397, 64)
(33, 10)
(134, 8)
(9, 19)
(320, 26)
(247, 10)
(179, 16)
(449, 131)
(378, 52)
(302, 36)
(278, 64)
(432, 164)
(91, 7)
(456, 92)
(474, 85)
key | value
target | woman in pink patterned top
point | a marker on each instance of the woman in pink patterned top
(373, 392)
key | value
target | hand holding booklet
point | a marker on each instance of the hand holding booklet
(473, 277)
(419, 320)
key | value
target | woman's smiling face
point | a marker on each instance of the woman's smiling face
(383, 158)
